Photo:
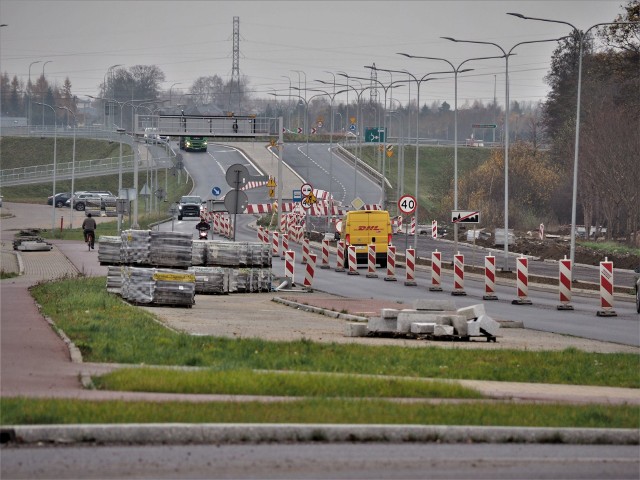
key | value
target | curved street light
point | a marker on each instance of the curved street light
(581, 36)
(55, 139)
(177, 83)
(30, 87)
(54, 112)
(73, 160)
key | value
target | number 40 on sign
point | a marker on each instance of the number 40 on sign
(407, 204)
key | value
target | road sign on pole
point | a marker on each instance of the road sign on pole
(306, 189)
(407, 204)
(465, 216)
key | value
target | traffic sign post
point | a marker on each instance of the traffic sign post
(407, 204)
(465, 216)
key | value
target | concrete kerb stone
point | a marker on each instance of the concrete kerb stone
(322, 311)
(177, 433)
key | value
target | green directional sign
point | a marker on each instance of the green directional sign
(483, 125)
(374, 134)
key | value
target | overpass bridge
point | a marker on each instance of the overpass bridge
(243, 126)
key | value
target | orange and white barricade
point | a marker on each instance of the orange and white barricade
(340, 256)
(309, 271)
(352, 261)
(284, 238)
(371, 261)
(522, 281)
(290, 257)
(391, 264)
(410, 268)
(564, 284)
(489, 278)
(325, 254)
(305, 250)
(606, 290)
(458, 274)
(275, 244)
(436, 271)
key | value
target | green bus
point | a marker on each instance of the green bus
(193, 144)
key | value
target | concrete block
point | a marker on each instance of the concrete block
(406, 318)
(444, 318)
(423, 327)
(442, 330)
(428, 304)
(488, 325)
(389, 313)
(474, 311)
(355, 329)
(473, 328)
(377, 324)
(459, 323)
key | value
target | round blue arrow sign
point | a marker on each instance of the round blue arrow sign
(216, 191)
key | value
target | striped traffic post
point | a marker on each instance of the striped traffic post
(290, 257)
(436, 271)
(353, 261)
(410, 266)
(522, 281)
(458, 275)
(260, 234)
(564, 284)
(305, 250)
(265, 237)
(285, 244)
(434, 229)
(325, 253)
(490, 278)
(216, 223)
(275, 244)
(606, 290)
(309, 272)
(371, 261)
(391, 264)
(340, 256)
(413, 226)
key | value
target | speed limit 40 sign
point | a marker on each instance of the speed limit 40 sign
(407, 204)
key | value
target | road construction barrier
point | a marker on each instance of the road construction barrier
(325, 254)
(340, 256)
(434, 229)
(413, 226)
(371, 261)
(305, 250)
(353, 261)
(261, 234)
(290, 257)
(489, 278)
(522, 281)
(391, 264)
(436, 270)
(564, 284)
(309, 271)
(216, 223)
(284, 238)
(458, 274)
(283, 223)
(410, 268)
(606, 290)
(275, 244)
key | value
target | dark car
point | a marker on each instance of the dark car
(61, 199)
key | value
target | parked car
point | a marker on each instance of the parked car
(61, 199)
(80, 198)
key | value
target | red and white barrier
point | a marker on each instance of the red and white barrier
(436, 271)
(216, 223)
(283, 223)
(265, 237)
(261, 234)
(606, 290)
(458, 274)
(309, 272)
(371, 261)
(413, 226)
(340, 256)
(564, 284)
(305, 250)
(391, 264)
(290, 257)
(285, 244)
(410, 262)
(352, 260)
(275, 244)
(522, 281)
(325, 254)
(434, 229)
(490, 278)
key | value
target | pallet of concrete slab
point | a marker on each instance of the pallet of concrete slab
(237, 254)
(93, 205)
(198, 252)
(170, 249)
(211, 280)
(109, 249)
(135, 247)
(114, 279)
(155, 286)
(34, 246)
(250, 280)
(434, 320)
(109, 205)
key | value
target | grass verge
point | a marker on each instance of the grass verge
(21, 411)
(109, 330)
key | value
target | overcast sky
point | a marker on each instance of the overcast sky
(190, 39)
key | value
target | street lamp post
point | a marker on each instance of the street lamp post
(106, 89)
(304, 123)
(506, 56)
(178, 83)
(456, 71)
(73, 160)
(288, 104)
(43, 65)
(581, 36)
(30, 92)
(55, 138)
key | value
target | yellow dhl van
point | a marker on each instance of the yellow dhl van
(362, 228)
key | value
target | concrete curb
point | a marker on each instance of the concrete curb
(178, 433)
(321, 311)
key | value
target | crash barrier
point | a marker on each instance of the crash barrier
(371, 261)
(436, 269)
(606, 290)
(340, 256)
(391, 264)
(353, 261)
(458, 275)
(522, 281)
(285, 244)
(290, 257)
(489, 278)
(275, 244)
(564, 284)
(310, 271)
(410, 267)
(325, 254)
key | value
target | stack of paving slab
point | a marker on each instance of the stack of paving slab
(114, 278)
(437, 319)
(250, 280)
(109, 249)
(211, 280)
(237, 254)
(135, 248)
(198, 252)
(158, 286)
(170, 249)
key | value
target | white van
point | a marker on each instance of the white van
(151, 135)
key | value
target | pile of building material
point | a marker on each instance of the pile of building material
(135, 248)
(30, 241)
(250, 280)
(158, 286)
(198, 252)
(93, 205)
(109, 249)
(211, 280)
(237, 254)
(430, 319)
(170, 249)
(114, 278)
